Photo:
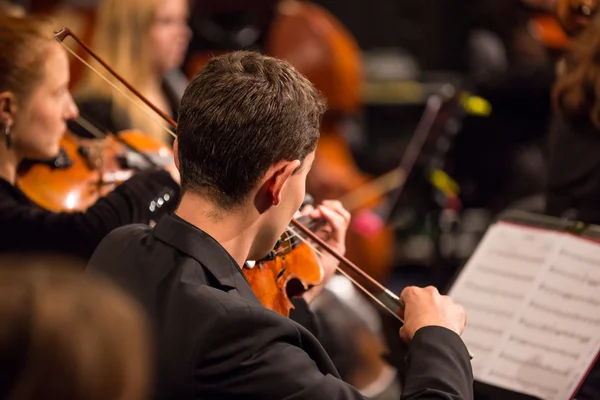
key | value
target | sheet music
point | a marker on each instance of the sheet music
(533, 308)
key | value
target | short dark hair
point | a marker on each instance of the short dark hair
(239, 115)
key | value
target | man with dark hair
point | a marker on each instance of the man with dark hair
(248, 129)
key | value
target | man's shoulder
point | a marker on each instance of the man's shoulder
(128, 232)
(225, 307)
(124, 240)
(218, 314)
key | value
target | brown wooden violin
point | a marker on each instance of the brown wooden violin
(292, 264)
(88, 169)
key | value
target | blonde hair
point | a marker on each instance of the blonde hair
(68, 335)
(121, 39)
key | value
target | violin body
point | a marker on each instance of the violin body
(86, 170)
(547, 29)
(284, 275)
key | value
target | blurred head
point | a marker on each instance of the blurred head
(575, 15)
(9, 8)
(68, 335)
(141, 40)
(35, 102)
(142, 37)
(169, 34)
(248, 129)
(576, 91)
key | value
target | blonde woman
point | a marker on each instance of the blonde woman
(144, 41)
(67, 335)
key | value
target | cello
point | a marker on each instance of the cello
(318, 46)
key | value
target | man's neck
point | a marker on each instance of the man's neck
(235, 231)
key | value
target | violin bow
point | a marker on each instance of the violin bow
(63, 33)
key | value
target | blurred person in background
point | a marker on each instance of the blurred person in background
(573, 173)
(573, 166)
(66, 335)
(10, 8)
(499, 159)
(144, 41)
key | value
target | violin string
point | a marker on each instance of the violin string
(288, 238)
(87, 125)
(367, 292)
(383, 289)
(310, 225)
(144, 110)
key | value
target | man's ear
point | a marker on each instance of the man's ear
(176, 152)
(8, 108)
(280, 176)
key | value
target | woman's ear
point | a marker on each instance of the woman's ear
(8, 108)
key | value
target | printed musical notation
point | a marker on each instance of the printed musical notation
(533, 306)
(541, 327)
(581, 279)
(575, 316)
(488, 289)
(532, 363)
(519, 381)
(506, 274)
(589, 300)
(542, 346)
(574, 256)
(474, 306)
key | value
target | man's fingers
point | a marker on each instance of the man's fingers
(334, 218)
(337, 206)
(407, 294)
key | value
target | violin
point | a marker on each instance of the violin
(292, 264)
(88, 169)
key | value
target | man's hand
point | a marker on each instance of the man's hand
(333, 233)
(426, 307)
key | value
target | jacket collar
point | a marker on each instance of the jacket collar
(202, 247)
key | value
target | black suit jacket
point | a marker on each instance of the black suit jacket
(217, 341)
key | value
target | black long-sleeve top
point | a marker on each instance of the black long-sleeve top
(28, 228)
